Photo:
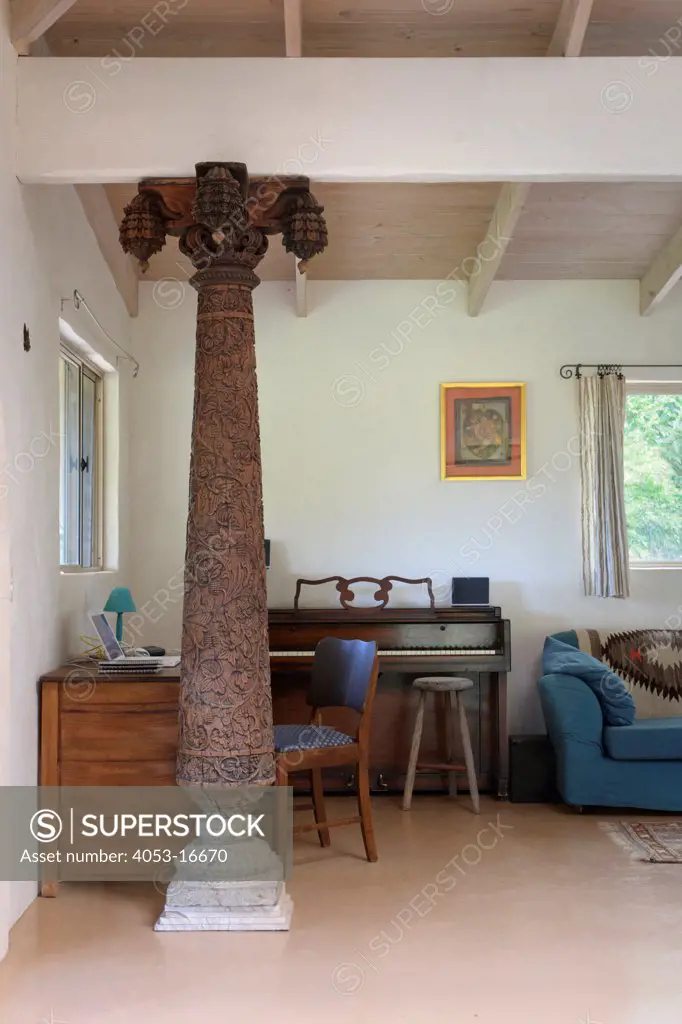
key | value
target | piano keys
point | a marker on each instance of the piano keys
(473, 642)
(416, 652)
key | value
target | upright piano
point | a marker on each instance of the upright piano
(466, 641)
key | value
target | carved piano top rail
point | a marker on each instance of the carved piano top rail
(347, 596)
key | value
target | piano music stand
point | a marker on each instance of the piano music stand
(347, 596)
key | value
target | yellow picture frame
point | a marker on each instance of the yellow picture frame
(512, 391)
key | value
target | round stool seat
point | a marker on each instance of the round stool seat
(443, 684)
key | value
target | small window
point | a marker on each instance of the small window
(653, 473)
(80, 484)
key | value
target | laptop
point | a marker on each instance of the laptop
(117, 659)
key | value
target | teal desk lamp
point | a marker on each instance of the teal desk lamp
(120, 600)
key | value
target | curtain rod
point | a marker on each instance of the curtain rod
(569, 370)
(79, 301)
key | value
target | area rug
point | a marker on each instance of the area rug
(657, 842)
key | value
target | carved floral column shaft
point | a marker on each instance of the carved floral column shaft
(226, 709)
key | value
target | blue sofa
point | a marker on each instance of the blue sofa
(638, 766)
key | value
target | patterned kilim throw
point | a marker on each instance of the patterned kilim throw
(649, 661)
(657, 842)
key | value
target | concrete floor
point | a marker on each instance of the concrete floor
(526, 915)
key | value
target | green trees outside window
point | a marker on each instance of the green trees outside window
(653, 476)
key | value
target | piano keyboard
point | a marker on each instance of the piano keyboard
(415, 652)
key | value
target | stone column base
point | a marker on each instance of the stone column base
(226, 907)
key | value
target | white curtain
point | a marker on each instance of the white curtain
(606, 570)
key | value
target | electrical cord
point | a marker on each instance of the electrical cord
(94, 651)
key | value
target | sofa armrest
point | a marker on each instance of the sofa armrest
(572, 712)
(575, 725)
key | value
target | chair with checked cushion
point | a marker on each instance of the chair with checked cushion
(344, 675)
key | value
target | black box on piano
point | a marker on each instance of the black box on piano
(471, 590)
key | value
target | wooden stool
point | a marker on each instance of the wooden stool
(451, 686)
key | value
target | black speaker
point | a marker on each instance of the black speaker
(470, 590)
(532, 771)
(267, 554)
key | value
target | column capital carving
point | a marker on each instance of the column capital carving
(223, 218)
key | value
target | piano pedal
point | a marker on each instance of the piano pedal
(381, 785)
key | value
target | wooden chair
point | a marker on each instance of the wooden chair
(345, 674)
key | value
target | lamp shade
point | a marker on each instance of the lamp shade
(120, 600)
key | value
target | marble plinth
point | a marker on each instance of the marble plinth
(230, 885)
(226, 907)
(228, 894)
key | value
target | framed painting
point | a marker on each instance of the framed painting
(483, 431)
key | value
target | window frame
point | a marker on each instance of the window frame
(87, 369)
(658, 387)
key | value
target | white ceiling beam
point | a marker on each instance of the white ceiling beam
(293, 27)
(101, 218)
(664, 272)
(569, 34)
(348, 119)
(301, 292)
(30, 19)
(491, 250)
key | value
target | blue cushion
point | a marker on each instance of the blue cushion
(617, 705)
(567, 636)
(308, 737)
(653, 739)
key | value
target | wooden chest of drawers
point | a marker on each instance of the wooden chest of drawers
(97, 732)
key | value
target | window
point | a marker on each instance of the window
(653, 472)
(80, 484)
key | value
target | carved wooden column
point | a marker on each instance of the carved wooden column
(225, 706)
(223, 221)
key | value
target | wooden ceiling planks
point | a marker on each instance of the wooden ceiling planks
(359, 28)
(634, 28)
(377, 230)
(397, 231)
(599, 231)
(428, 28)
(170, 28)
